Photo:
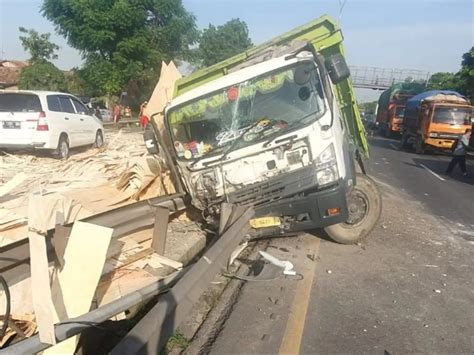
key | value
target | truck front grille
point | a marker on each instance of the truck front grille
(275, 188)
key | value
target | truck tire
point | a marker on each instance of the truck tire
(420, 147)
(388, 131)
(404, 141)
(365, 208)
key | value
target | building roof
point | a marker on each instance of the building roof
(10, 71)
(7, 63)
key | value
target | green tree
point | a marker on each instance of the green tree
(119, 40)
(38, 45)
(443, 81)
(466, 74)
(222, 42)
(42, 76)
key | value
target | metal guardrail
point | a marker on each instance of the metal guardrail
(152, 332)
(15, 257)
(183, 289)
(120, 123)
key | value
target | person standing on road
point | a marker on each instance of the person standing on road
(116, 113)
(143, 117)
(459, 153)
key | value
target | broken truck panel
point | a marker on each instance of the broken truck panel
(326, 38)
(276, 128)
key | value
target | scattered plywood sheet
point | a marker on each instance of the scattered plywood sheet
(44, 218)
(122, 282)
(163, 92)
(76, 282)
(13, 183)
(21, 298)
(12, 235)
(42, 299)
(141, 174)
(23, 324)
(169, 262)
(141, 236)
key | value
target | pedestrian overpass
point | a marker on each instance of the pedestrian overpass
(382, 78)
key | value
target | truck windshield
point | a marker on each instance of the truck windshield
(249, 111)
(452, 115)
(400, 111)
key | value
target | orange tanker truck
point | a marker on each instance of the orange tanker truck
(391, 106)
(435, 120)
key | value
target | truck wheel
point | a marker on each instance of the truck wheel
(388, 131)
(404, 141)
(365, 207)
(420, 147)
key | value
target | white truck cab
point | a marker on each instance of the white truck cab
(275, 128)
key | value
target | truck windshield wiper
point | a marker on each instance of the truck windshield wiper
(234, 143)
(293, 125)
(226, 151)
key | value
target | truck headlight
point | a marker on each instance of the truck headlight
(327, 176)
(433, 134)
(326, 166)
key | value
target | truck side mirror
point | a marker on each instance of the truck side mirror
(150, 140)
(337, 68)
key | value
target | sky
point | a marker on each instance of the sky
(428, 35)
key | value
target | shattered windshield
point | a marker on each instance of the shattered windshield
(250, 111)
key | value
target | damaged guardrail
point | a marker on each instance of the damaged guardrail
(152, 332)
(183, 289)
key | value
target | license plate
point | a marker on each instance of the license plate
(11, 125)
(264, 222)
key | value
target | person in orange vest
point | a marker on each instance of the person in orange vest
(144, 120)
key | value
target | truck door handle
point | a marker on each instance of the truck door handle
(66, 118)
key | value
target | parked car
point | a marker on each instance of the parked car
(47, 120)
(106, 115)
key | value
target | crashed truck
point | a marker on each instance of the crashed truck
(277, 128)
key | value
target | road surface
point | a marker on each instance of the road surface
(408, 288)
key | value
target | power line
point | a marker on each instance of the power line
(342, 3)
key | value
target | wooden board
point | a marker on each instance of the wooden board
(42, 299)
(167, 261)
(76, 282)
(122, 282)
(10, 185)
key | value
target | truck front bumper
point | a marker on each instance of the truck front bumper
(440, 143)
(306, 211)
(296, 200)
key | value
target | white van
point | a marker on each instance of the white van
(47, 120)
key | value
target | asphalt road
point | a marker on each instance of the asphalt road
(406, 289)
